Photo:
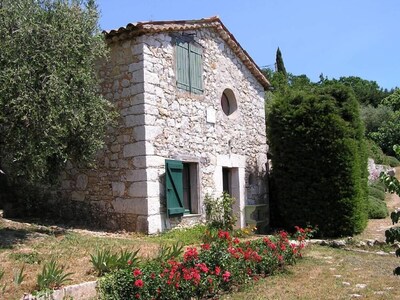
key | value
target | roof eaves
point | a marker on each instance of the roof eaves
(139, 28)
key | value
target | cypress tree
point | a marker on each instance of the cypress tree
(280, 66)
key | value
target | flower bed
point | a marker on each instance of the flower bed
(214, 267)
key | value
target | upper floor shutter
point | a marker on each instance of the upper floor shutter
(196, 66)
(182, 65)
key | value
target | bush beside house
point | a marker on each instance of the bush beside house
(319, 160)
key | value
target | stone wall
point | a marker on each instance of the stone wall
(159, 121)
(115, 189)
(183, 129)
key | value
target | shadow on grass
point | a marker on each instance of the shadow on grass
(10, 237)
(16, 231)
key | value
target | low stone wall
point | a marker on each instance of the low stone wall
(82, 291)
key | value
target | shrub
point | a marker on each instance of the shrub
(203, 273)
(373, 117)
(388, 134)
(377, 193)
(376, 153)
(319, 160)
(219, 212)
(377, 208)
(393, 161)
(378, 184)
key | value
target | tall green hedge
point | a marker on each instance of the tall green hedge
(319, 163)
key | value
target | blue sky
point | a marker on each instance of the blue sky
(336, 38)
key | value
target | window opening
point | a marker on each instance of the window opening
(187, 188)
(226, 180)
(228, 102)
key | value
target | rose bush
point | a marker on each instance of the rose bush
(205, 271)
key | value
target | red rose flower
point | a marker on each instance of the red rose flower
(205, 246)
(139, 283)
(217, 270)
(226, 276)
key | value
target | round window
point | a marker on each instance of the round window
(228, 102)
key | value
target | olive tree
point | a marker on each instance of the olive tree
(50, 107)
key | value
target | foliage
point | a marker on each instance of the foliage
(29, 258)
(166, 253)
(376, 153)
(219, 212)
(218, 266)
(187, 236)
(388, 134)
(2, 286)
(378, 184)
(377, 208)
(52, 276)
(367, 92)
(377, 193)
(393, 186)
(280, 66)
(104, 261)
(393, 161)
(50, 109)
(393, 100)
(19, 276)
(319, 160)
(374, 117)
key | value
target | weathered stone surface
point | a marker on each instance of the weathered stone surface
(118, 189)
(138, 189)
(133, 206)
(81, 181)
(82, 291)
(159, 121)
(78, 196)
(338, 243)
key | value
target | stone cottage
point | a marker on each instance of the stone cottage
(192, 123)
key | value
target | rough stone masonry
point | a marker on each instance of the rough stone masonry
(160, 121)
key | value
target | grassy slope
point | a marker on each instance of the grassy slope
(315, 277)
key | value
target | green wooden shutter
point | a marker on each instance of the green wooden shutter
(196, 66)
(182, 65)
(174, 187)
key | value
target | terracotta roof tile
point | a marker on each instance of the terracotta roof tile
(140, 28)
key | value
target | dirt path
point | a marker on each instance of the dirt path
(376, 228)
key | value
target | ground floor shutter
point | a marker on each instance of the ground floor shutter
(174, 187)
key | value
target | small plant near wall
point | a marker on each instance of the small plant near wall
(219, 212)
(104, 261)
(52, 276)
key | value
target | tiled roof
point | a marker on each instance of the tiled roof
(140, 28)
